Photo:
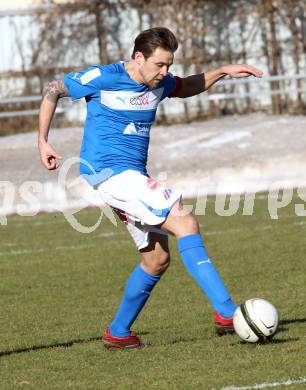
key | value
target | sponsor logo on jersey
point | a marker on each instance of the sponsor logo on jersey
(121, 99)
(130, 100)
(137, 129)
(140, 101)
(130, 129)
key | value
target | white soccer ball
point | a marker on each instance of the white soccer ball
(256, 320)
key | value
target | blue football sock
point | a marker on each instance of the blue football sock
(202, 269)
(137, 290)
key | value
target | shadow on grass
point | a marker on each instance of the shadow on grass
(282, 323)
(278, 341)
(266, 342)
(293, 321)
(54, 345)
(281, 328)
(48, 346)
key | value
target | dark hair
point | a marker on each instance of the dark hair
(149, 40)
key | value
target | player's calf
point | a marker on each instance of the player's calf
(155, 265)
(155, 258)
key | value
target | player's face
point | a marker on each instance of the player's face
(154, 68)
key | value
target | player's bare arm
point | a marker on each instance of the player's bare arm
(52, 92)
(196, 84)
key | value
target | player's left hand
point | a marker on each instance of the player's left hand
(243, 70)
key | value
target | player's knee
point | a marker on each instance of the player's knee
(158, 264)
(185, 225)
(190, 225)
(180, 221)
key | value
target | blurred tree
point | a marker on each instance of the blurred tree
(292, 15)
(272, 50)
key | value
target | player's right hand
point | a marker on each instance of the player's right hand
(49, 156)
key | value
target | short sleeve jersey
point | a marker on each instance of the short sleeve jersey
(120, 113)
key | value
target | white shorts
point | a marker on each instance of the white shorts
(141, 202)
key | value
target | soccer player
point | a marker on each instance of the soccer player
(122, 99)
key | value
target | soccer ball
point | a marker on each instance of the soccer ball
(255, 320)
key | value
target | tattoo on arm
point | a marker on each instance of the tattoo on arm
(55, 90)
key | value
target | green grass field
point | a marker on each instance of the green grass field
(60, 289)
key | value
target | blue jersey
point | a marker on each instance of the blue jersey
(120, 113)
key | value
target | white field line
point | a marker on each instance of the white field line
(232, 231)
(39, 223)
(299, 223)
(108, 234)
(111, 234)
(57, 248)
(45, 223)
(288, 382)
(36, 223)
(40, 250)
(10, 244)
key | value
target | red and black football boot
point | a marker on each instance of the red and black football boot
(128, 342)
(223, 325)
